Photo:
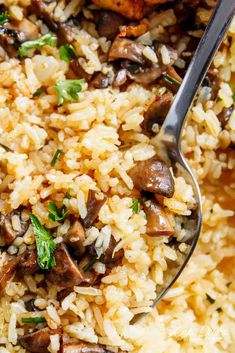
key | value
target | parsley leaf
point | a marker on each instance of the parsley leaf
(45, 245)
(136, 206)
(56, 157)
(67, 52)
(55, 214)
(172, 80)
(4, 17)
(38, 92)
(68, 90)
(33, 320)
(210, 299)
(47, 39)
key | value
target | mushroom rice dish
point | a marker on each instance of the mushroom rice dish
(89, 213)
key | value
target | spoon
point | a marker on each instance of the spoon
(169, 138)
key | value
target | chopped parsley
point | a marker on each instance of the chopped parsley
(38, 92)
(56, 215)
(67, 52)
(210, 299)
(56, 157)
(172, 80)
(45, 245)
(48, 39)
(4, 18)
(89, 264)
(33, 320)
(136, 206)
(68, 90)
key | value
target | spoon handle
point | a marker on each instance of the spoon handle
(213, 36)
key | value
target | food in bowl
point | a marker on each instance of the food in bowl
(89, 212)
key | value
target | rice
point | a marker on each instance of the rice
(102, 138)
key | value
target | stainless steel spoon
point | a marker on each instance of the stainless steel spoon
(169, 138)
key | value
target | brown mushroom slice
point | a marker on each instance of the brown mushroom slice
(38, 341)
(157, 220)
(224, 115)
(78, 70)
(100, 80)
(157, 112)
(85, 267)
(28, 28)
(65, 273)
(28, 263)
(108, 23)
(10, 40)
(75, 238)
(132, 9)
(43, 11)
(8, 272)
(10, 229)
(93, 207)
(82, 347)
(145, 74)
(134, 30)
(154, 176)
(123, 48)
(110, 257)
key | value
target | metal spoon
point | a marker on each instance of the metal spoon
(169, 138)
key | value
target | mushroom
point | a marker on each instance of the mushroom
(128, 8)
(123, 48)
(157, 112)
(108, 23)
(93, 207)
(8, 272)
(12, 226)
(28, 263)
(224, 116)
(38, 341)
(144, 74)
(28, 28)
(108, 256)
(100, 80)
(75, 238)
(85, 267)
(65, 273)
(154, 176)
(157, 220)
(11, 39)
(82, 347)
(78, 70)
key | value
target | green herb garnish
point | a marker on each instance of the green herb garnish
(67, 53)
(33, 320)
(210, 299)
(45, 245)
(68, 90)
(38, 92)
(48, 39)
(4, 17)
(5, 147)
(136, 206)
(56, 157)
(56, 215)
(172, 80)
(89, 264)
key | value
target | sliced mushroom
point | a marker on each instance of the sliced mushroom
(123, 48)
(224, 116)
(29, 29)
(157, 220)
(135, 30)
(145, 74)
(8, 272)
(172, 53)
(10, 40)
(43, 11)
(38, 341)
(157, 112)
(29, 305)
(93, 207)
(78, 70)
(100, 80)
(75, 238)
(110, 257)
(65, 273)
(108, 23)
(154, 176)
(85, 267)
(28, 263)
(12, 226)
(128, 8)
(82, 347)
